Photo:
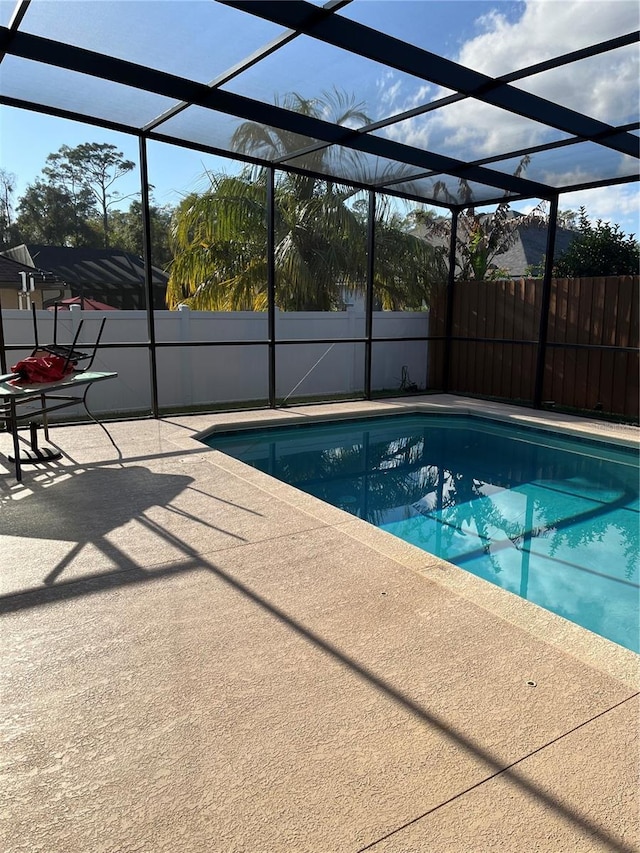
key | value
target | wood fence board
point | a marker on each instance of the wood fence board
(581, 378)
(530, 361)
(623, 314)
(479, 291)
(505, 370)
(619, 383)
(548, 375)
(585, 300)
(459, 309)
(555, 361)
(568, 394)
(561, 310)
(609, 314)
(494, 300)
(634, 326)
(552, 334)
(597, 311)
(507, 315)
(474, 331)
(490, 355)
(607, 367)
(571, 333)
(632, 398)
(592, 398)
(499, 310)
(530, 324)
(591, 311)
(537, 308)
(468, 363)
(496, 370)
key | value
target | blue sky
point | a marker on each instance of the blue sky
(491, 37)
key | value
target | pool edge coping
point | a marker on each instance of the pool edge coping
(624, 435)
(568, 637)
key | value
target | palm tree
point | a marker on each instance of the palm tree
(220, 236)
(406, 266)
(219, 242)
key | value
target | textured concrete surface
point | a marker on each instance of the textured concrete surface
(198, 658)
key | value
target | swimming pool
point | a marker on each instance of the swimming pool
(552, 519)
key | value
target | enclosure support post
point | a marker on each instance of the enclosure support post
(448, 321)
(546, 302)
(271, 285)
(3, 351)
(371, 222)
(148, 274)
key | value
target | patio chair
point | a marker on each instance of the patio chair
(66, 351)
(50, 396)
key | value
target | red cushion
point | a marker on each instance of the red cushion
(42, 368)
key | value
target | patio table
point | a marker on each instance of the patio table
(49, 398)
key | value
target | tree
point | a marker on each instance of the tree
(52, 215)
(406, 266)
(125, 229)
(219, 237)
(219, 242)
(8, 235)
(89, 171)
(598, 250)
(482, 237)
(568, 219)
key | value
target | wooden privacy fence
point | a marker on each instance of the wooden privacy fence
(591, 354)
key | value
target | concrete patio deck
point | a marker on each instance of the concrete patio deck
(198, 658)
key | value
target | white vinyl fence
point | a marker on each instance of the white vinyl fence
(219, 375)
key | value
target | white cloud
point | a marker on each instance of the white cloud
(605, 87)
(547, 28)
(618, 205)
(389, 93)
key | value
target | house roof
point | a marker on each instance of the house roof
(85, 265)
(111, 276)
(529, 131)
(528, 250)
(10, 270)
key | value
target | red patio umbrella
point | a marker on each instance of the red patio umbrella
(84, 303)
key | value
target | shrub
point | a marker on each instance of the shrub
(598, 250)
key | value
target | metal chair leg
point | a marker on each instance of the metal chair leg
(13, 427)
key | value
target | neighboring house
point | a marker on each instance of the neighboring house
(47, 288)
(529, 250)
(111, 276)
(526, 256)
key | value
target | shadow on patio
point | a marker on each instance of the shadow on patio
(276, 688)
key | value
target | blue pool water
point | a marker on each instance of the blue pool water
(551, 519)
